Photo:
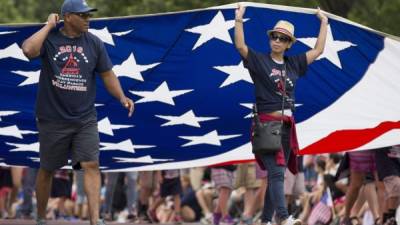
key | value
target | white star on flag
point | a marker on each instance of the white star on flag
(129, 68)
(249, 106)
(13, 51)
(122, 33)
(332, 47)
(28, 132)
(217, 28)
(126, 146)
(7, 32)
(188, 118)
(34, 159)
(13, 131)
(143, 159)
(211, 138)
(161, 94)
(32, 77)
(297, 105)
(236, 73)
(104, 35)
(34, 147)
(7, 113)
(106, 127)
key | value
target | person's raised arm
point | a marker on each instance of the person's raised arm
(31, 46)
(239, 34)
(113, 86)
(320, 44)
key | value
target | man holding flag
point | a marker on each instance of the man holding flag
(65, 111)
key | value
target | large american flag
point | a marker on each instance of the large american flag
(193, 96)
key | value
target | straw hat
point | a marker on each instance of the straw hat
(284, 27)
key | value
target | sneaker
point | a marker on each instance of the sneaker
(227, 220)
(207, 220)
(346, 221)
(216, 218)
(291, 221)
(265, 223)
(246, 220)
(131, 217)
(151, 214)
(100, 222)
(259, 222)
(108, 216)
(41, 222)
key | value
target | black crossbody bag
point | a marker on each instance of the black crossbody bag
(267, 136)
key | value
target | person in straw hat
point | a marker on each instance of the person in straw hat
(274, 76)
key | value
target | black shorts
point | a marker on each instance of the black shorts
(60, 141)
(171, 187)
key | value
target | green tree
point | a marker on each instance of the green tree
(382, 15)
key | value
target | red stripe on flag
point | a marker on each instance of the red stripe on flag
(343, 140)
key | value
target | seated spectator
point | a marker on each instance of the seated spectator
(388, 167)
(205, 197)
(190, 208)
(170, 185)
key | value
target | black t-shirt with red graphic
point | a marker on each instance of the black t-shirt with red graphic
(268, 82)
(67, 85)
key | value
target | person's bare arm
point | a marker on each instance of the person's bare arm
(113, 86)
(320, 44)
(239, 33)
(31, 46)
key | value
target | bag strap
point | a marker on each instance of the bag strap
(284, 86)
(255, 111)
(256, 118)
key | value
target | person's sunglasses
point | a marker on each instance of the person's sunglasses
(83, 15)
(281, 38)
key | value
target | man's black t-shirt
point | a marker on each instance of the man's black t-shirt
(67, 85)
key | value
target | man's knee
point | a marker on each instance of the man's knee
(45, 173)
(43, 178)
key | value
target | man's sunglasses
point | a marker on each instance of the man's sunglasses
(281, 38)
(84, 15)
